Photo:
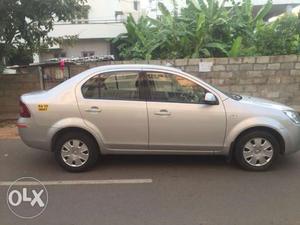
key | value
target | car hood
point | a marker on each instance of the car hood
(264, 103)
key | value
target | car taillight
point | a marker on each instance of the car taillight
(24, 111)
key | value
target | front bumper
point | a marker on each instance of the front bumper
(291, 136)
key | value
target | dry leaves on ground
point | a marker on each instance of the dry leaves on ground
(8, 129)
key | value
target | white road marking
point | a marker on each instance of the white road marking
(78, 182)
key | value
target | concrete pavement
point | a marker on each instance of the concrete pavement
(185, 190)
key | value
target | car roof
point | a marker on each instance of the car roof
(133, 67)
(77, 78)
(69, 84)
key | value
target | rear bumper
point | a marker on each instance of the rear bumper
(33, 136)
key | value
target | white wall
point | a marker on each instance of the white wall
(99, 46)
(103, 9)
(152, 8)
(92, 36)
(89, 30)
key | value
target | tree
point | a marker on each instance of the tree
(172, 34)
(206, 28)
(209, 22)
(244, 24)
(280, 37)
(138, 42)
(25, 24)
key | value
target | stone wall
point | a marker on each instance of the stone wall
(272, 77)
(12, 86)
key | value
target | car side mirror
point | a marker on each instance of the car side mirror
(210, 99)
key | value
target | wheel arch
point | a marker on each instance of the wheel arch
(72, 129)
(274, 132)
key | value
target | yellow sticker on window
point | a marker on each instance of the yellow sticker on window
(42, 107)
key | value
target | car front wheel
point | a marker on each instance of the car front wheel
(76, 151)
(256, 150)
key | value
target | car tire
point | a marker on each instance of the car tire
(76, 151)
(256, 150)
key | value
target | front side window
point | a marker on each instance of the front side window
(173, 88)
(114, 85)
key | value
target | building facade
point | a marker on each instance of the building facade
(104, 21)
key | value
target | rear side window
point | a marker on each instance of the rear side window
(115, 86)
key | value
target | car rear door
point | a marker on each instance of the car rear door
(179, 119)
(113, 104)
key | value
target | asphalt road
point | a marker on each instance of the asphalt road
(193, 190)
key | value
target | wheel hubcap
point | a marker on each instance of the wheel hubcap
(258, 152)
(74, 153)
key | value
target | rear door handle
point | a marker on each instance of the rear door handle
(93, 109)
(162, 112)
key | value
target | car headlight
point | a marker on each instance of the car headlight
(294, 116)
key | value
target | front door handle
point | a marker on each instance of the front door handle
(162, 112)
(94, 109)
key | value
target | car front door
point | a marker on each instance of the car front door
(113, 103)
(179, 118)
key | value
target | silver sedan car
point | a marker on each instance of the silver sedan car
(147, 109)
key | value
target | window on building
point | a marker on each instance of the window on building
(136, 5)
(59, 55)
(119, 15)
(87, 53)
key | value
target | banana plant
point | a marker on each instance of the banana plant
(171, 34)
(236, 47)
(205, 28)
(209, 19)
(245, 22)
(139, 40)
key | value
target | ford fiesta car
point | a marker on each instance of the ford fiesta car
(145, 109)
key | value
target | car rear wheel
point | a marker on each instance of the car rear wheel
(76, 151)
(256, 150)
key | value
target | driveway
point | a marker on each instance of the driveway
(180, 190)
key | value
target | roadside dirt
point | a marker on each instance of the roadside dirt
(8, 129)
